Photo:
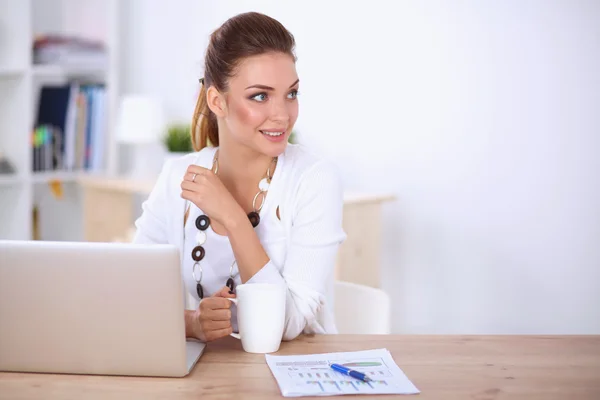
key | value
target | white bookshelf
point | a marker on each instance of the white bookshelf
(20, 82)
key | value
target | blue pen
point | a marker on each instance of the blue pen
(350, 372)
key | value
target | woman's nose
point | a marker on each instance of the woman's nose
(279, 111)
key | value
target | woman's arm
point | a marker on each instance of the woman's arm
(152, 229)
(315, 238)
(151, 226)
(249, 252)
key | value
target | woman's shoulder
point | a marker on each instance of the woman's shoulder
(178, 165)
(300, 161)
(307, 169)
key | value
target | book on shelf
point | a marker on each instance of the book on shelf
(69, 131)
(69, 51)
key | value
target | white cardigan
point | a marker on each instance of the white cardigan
(302, 245)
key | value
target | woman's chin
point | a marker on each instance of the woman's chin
(273, 149)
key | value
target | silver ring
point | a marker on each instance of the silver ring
(198, 280)
(194, 177)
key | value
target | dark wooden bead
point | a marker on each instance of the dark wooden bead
(200, 291)
(229, 284)
(198, 253)
(202, 222)
(254, 218)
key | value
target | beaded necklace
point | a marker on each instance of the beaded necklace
(203, 222)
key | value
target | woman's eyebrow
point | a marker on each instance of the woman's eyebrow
(265, 87)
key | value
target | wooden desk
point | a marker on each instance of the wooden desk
(442, 367)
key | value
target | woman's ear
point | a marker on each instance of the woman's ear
(216, 102)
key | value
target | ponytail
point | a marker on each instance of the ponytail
(205, 131)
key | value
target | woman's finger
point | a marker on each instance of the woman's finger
(224, 292)
(218, 315)
(214, 335)
(214, 303)
(196, 169)
(188, 195)
(216, 325)
(191, 186)
(191, 176)
(221, 292)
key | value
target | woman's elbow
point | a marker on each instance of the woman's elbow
(291, 333)
(302, 313)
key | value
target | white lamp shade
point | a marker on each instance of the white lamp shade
(141, 120)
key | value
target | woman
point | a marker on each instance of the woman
(247, 206)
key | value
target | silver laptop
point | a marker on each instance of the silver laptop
(93, 308)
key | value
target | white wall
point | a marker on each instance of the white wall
(483, 119)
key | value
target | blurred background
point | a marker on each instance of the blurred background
(467, 134)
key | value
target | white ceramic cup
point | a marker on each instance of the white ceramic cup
(260, 315)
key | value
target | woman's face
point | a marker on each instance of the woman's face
(261, 103)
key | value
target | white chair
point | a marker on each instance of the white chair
(361, 309)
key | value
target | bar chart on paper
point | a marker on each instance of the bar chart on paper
(311, 375)
(324, 379)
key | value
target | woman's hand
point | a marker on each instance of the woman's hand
(212, 319)
(203, 188)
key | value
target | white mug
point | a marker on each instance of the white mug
(260, 315)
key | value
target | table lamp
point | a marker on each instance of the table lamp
(141, 124)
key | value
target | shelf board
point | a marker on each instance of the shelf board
(11, 72)
(62, 176)
(118, 183)
(10, 179)
(45, 177)
(59, 71)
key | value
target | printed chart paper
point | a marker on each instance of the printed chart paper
(311, 375)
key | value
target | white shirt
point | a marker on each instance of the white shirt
(302, 244)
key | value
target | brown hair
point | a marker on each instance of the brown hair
(245, 35)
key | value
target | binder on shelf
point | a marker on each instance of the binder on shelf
(69, 132)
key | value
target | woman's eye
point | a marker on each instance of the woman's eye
(260, 97)
(293, 94)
